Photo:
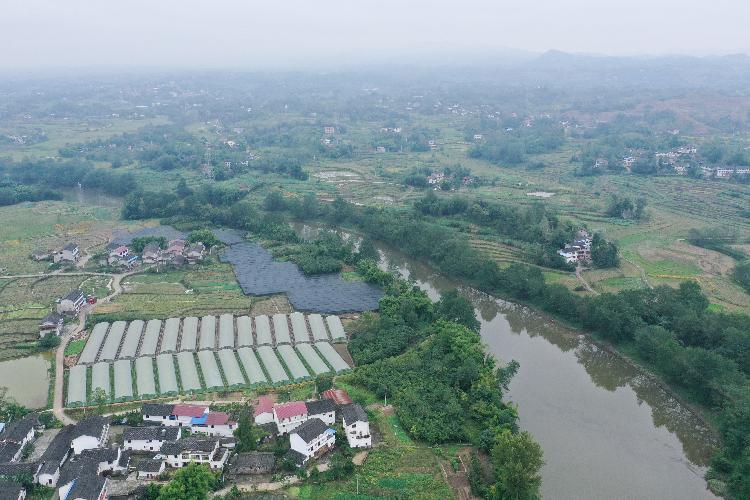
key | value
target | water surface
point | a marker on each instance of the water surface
(27, 379)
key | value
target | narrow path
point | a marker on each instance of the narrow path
(57, 405)
(54, 273)
(579, 275)
(644, 278)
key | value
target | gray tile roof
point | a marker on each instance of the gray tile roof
(257, 461)
(310, 429)
(188, 444)
(353, 413)
(73, 295)
(87, 486)
(18, 468)
(57, 450)
(71, 247)
(19, 429)
(157, 409)
(150, 465)
(91, 426)
(10, 489)
(296, 457)
(153, 433)
(318, 407)
(8, 452)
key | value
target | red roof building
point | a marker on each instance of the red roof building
(338, 396)
(189, 410)
(217, 418)
(265, 405)
(290, 410)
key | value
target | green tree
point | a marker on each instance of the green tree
(458, 309)
(49, 341)
(517, 460)
(100, 399)
(604, 253)
(247, 433)
(205, 236)
(189, 483)
(323, 382)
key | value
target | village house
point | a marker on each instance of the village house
(12, 491)
(195, 252)
(175, 247)
(356, 426)
(156, 412)
(85, 487)
(179, 415)
(151, 468)
(215, 423)
(263, 411)
(148, 438)
(203, 451)
(40, 255)
(21, 432)
(151, 253)
(111, 460)
(10, 452)
(579, 250)
(324, 409)
(251, 463)
(68, 254)
(312, 439)
(54, 457)
(329, 130)
(478, 137)
(288, 416)
(52, 323)
(71, 303)
(723, 173)
(10, 471)
(89, 433)
(339, 396)
(435, 178)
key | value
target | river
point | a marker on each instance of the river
(607, 430)
(27, 379)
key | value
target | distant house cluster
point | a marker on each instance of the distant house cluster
(177, 253)
(68, 254)
(196, 418)
(579, 251)
(308, 423)
(436, 179)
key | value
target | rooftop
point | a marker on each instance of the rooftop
(150, 465)
(17, 431)
(354, 413)
(157, 409)
(87, 486)
(91, 426)
(318, 407)
(74, 295)
(153, 433)
(188, 444)
(265, 405)
(338, 396)
(291, 409)
(310, 429)
(189, 410)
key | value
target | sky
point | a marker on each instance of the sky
(252, 34)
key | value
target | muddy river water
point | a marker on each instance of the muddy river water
(608, 431)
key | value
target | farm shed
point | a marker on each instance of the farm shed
(318, 327)
(244, 331)
(231, 368)
(336, 328)
(292, 361)
(94, 343)
(333, 358)
(132, 339)
(281, 329)
(123, 380)
(151, 337)
(167, 376)
(144, 377)
(263, 330)
(189, 334)
(169, 336)
(211, 373)
(272, 364)
(251, 365)
(226, 331)
(112, 341)
(208, 332)
(299, 327)
(188, 372)
(312, 359)
(100, 378)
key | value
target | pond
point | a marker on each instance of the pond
(27, 379)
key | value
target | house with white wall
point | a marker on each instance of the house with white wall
(312, 438)
(148, 439)
(356, 426)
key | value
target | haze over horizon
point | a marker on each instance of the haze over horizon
(172, 34)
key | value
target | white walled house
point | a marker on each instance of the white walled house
(150, 469)
(215, 423)
(263, 411)
(183, 415)
(71, 303)
(312, 438)
(356, 426)
(69, 253)
(156, 413)
(289, 416)
(202, 451)
(148, 438)
(323, 409)
(89, 433)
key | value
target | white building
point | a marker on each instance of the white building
(150, 469)
(89, 433)
(323, 409)
(289, 416)
(148, 438)
(312, 438)
(71, 303)
(69, 253)
(215, 423)
(263, 411)
(203, 451)
(356, 426)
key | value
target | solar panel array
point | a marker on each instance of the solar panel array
(258, 274)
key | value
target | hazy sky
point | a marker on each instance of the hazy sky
(249, 33)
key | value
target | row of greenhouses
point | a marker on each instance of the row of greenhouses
(122, 340)
(206, 370)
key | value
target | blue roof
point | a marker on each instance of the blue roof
(199, 420)
(330, 431)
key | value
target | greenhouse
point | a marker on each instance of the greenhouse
(132, 339)
(189, 339)
(263, 330)
(211, 373)
(272, 364)
(244, 331)
(312, 359)
(292, 361)
(318, 327)
(144, 377)
(100, 378)
(94, 343)
(170, 334)
(112, 341)
(334, 358)
(167, 376)
(226, 331)
(336, 328)
(281, 329)
(123, 380)
(77, 385)
(251, 365)
(208, 332)
(151, 337)
(188, 372)
(231, 368)
(299, 327)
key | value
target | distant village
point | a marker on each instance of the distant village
(101, 457)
